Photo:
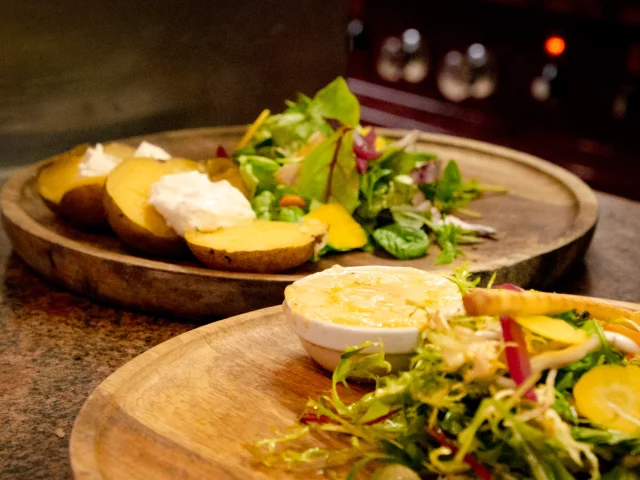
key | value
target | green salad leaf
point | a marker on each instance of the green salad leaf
(258, 173)
(385, 193)
(292, 214)
(407, 216)
(309, 150)
(401, 162)
(450, 192)
(329, 172)
(283, 134)
(446, 238)
(335, 101)
(401, 241)
(265, 205)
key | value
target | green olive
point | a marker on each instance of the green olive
(395, 471)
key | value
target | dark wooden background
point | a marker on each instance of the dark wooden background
(577, 127)
(74, 71)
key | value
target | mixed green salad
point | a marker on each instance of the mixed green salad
(316, 153)
(525, 396)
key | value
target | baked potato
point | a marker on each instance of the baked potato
(260, 246)
(72, 196)
(225, 169)
(127, 207)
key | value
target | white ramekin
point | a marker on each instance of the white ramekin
(326, 342)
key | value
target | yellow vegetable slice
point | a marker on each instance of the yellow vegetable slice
(344, 232)
(552, 328)
(251, 131)
(609, 395)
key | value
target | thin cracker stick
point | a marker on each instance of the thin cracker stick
(506, 302)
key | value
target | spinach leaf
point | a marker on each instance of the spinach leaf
(265, 205)
(402, 242)
(292, 214)
(329, 172)
(258, 173)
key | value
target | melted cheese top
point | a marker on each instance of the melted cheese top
(382, 297)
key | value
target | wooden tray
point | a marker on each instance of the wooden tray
(546, 223)
(188, 408)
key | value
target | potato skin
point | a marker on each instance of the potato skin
(84, 206)
(259, 261)
(138, 237)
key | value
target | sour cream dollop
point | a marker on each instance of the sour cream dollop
(190, 201)
(146, 149)
(96, 163)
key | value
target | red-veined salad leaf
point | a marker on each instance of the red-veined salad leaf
(329, 172)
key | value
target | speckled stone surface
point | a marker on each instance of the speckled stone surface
(55, 347)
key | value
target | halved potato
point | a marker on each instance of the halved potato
(225, 169)
(261, 246)
(72, 196)
(126, 203)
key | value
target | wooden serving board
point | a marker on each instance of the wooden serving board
(546, 222)
(191, 407)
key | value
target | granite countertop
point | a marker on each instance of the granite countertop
(56, 347)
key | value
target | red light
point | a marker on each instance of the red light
(555, 46)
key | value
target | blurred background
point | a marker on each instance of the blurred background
(556, 78)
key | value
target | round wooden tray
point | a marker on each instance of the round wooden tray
(546, 222)
(190, 407)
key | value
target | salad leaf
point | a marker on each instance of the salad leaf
(400, 190)
(446, 238)
(461, 276)
(258, 173)
(621, 473)
(372, 180)
(335, 101)
(265, 205)
(402, 242)
(299, 106)
(450, 192)
(292, 214)
(283, 134)
(407, 216)
(289, 131)
(402, 162)
(574, 318)
(329, 172)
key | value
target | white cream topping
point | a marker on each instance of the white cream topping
(146, 149)
(382, 297)
(96, 163)
(190, 201)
